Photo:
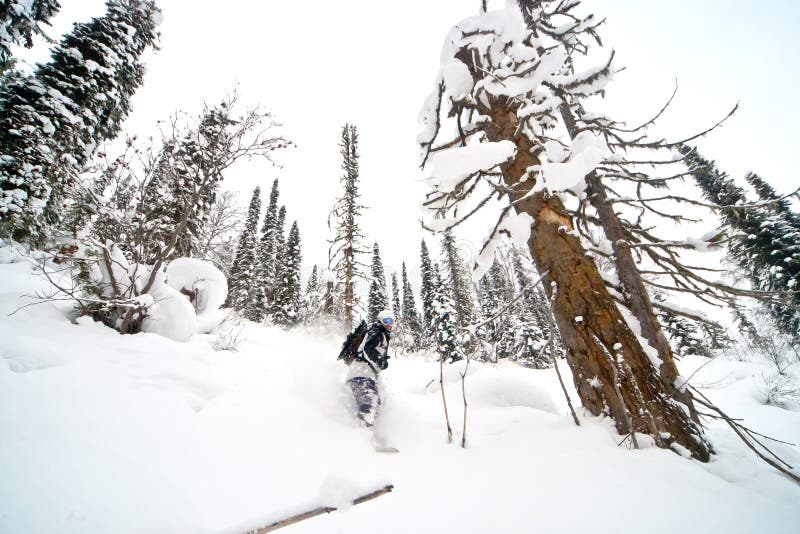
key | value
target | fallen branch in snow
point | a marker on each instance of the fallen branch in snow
(748, 437)
(318, 511)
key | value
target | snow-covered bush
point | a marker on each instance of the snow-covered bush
(229, 332)
(170, 314)
(204, 285)
(779, 389)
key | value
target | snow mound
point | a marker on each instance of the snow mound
(200, 276)
(171, 315)
(206, 285)
(508, 387)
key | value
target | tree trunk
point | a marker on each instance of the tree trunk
(636, 296)
(349, 261)
(613, 374)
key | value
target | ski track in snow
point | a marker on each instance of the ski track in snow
(107, 433)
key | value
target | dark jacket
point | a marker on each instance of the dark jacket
(374, 350)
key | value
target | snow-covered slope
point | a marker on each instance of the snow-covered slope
(104, 433)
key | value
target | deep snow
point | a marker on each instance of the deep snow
(107, 433)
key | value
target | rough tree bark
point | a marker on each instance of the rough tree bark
(636, 296)
(612, 372)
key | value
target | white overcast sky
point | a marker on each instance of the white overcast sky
(318, 64)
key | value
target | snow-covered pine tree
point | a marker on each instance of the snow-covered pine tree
(378, 298)
(397, 307)
(272, 308)
(764, 242)
(447, 338)
(313, 298)
(458, 279)
(53, 121)
(268, 247)
(197, 170)
(495, 293)
(264, 283)
(775, 202)
(517, 69)
(426, 290)
(409, 310)
(19, 21)
(243, 269)
(534, 308)
(345, 246)
(287, 303)
(183, 186)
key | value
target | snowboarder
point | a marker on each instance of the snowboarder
(371, 359)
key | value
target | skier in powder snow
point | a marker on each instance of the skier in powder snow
(372, 358)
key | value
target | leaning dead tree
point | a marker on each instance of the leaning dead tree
(501, 89)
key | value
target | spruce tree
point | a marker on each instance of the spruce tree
(313, 298)
(767, 194)
(764, 242)
(287, 303)
(378, 299)
(458, 279)
(197, 172)
(185, 181)
(409, 309)
(268, 245)
(272, 306)
(426, 291)
(495, 294)
(397, 307)
(52, 121)
(445, 321)
(345, 246)
(243, 270)
(19, 21)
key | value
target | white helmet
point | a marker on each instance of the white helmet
(386, 317)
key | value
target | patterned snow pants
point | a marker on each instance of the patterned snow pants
(365, 392)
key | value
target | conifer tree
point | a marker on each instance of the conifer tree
(287, 304)
(458, 279)
(445, 321)
(397, 307)
(243, 270)
(426, 291)
(52, 121)
(409, 308)
(264, 282)
(536, 309)
(764, 242)
(185, 181)
(19, 21)
(272, 306)
(378, 299)
(495, 294)
(268, 246)
(773, 201)
(312, 298)
(345, 246)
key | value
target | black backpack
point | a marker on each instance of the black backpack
(353, 341)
